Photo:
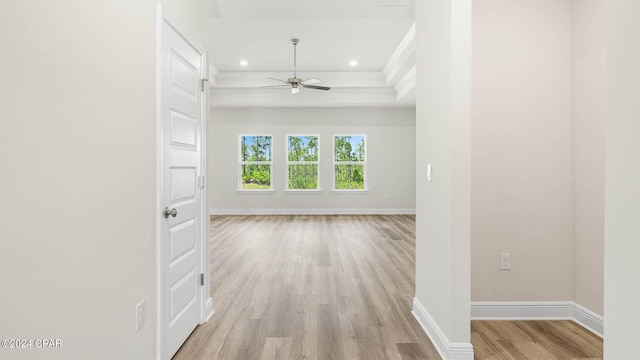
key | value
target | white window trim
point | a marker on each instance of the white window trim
(366, 168)
(287, 163)
(240, 163)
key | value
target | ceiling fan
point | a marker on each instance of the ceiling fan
(295, 83)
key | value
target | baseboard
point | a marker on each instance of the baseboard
(446, 349)
(539, 310)
(208, 310)
(520, 310)
(312, 211)
(588, 319)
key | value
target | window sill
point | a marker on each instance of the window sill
(253, 192)
(318, 191)
(365, 191)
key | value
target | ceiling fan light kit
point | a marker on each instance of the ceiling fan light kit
(294, 82)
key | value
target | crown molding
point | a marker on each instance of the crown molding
(283, 98)
(403, 57)
(406, 84)
(300, 74)
(334, 90)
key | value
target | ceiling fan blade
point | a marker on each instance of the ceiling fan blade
(282, 81)
(310, 81)
(316, 87)
(295, 90)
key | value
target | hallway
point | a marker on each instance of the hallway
(311, 287)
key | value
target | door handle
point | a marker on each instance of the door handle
(170, 212)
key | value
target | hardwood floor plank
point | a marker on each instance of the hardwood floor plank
(351, 347)
(529, 350)
(305, 342)
(416, 351)
(276, 349)
(330, 341)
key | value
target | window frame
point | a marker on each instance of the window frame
(364, 163)
(287, 163)
(240, 163)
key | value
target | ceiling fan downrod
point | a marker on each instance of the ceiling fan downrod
(295, 45)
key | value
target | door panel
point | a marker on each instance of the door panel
(181, 253)
(183, 240)
(183, 130)
(182, 296)
(184, 75)
(183, 184)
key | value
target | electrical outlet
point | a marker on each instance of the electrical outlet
(141, 316)
(505, 261)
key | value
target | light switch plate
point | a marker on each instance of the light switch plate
(505, 261)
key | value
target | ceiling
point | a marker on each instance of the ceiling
(332, 33)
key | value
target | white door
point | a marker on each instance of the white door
(181, 97)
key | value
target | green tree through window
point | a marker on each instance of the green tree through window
(350, 162)
(255, 162)
(302, 162)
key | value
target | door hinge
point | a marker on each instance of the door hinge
(201, 181)
(202, 82)
(201, 279)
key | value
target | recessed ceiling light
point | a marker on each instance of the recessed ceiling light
(244, 63)
(353, 63)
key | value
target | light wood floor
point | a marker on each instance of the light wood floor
(534, 340)
(341, 287)
(311, 287)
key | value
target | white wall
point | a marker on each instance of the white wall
(443, 64)
(589, 112)
(622, 181)
(78, 155)
(521, 167)
(193, 18)
(390, 164)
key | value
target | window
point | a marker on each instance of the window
(302, 162)
(350, 162)
(255, 162)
